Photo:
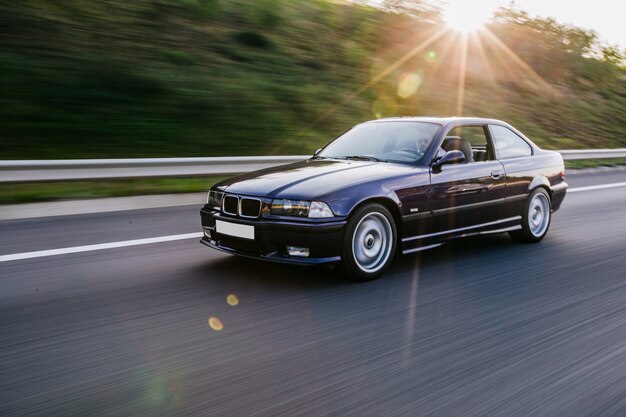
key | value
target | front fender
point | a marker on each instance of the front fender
(344, 205)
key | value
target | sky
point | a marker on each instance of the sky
(606, 17)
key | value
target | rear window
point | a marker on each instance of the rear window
(509, 144)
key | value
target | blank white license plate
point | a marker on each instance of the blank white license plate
(232, 229)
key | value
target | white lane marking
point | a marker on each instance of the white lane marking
(597, 187)
(100, 246)
(137, 242)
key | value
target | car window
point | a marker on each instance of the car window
(508, 143)
(474, 136)
(394, 141)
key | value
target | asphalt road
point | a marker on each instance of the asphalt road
(481, 327)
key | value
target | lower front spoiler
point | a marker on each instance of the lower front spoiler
(273, 257)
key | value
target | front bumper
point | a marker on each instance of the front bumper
(271, 238)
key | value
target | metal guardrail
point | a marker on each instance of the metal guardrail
(574, 154)
(91, 169)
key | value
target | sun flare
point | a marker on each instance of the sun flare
(466, 16)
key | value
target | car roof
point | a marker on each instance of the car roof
(438, 120)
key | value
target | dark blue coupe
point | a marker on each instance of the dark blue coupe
(389, 185)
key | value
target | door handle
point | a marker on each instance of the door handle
(496, 174)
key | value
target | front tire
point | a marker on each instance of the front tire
(536, 217)
(369, 244)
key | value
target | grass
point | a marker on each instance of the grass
(592, 163)
(73, 190)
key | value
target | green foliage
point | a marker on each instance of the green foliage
(267, 13)
(612, 54)
(420, 9)
(178, 57)
(84, 79)
(252, 38)
(201, 9)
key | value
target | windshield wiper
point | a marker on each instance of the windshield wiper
(364, 158)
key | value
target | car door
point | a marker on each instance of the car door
(468, 195)
(516, 156)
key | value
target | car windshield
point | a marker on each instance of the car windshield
(397, 141)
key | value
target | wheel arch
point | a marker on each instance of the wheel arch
(540, 182)
(386, 202)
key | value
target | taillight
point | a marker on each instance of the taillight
(563, 174)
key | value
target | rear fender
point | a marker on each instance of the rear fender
(539, 181)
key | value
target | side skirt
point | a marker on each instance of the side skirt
(443, 237)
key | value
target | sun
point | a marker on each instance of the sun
(466, 15)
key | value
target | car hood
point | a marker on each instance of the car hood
(311, 179)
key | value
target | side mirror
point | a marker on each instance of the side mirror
(451, 157)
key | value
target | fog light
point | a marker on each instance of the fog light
(294, 251)
(207, 232)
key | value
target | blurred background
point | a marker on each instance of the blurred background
(167, 78)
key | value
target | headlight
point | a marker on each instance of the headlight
(214, 199)
(301, 208)
(284, 207)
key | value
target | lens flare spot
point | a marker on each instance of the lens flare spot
(156, 393)
(232, 300)
(408, 84)
(384, 106)
(431, 56)
(215, 324)
(162, 391)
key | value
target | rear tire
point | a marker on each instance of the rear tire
(369, 243)
(536, 217)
